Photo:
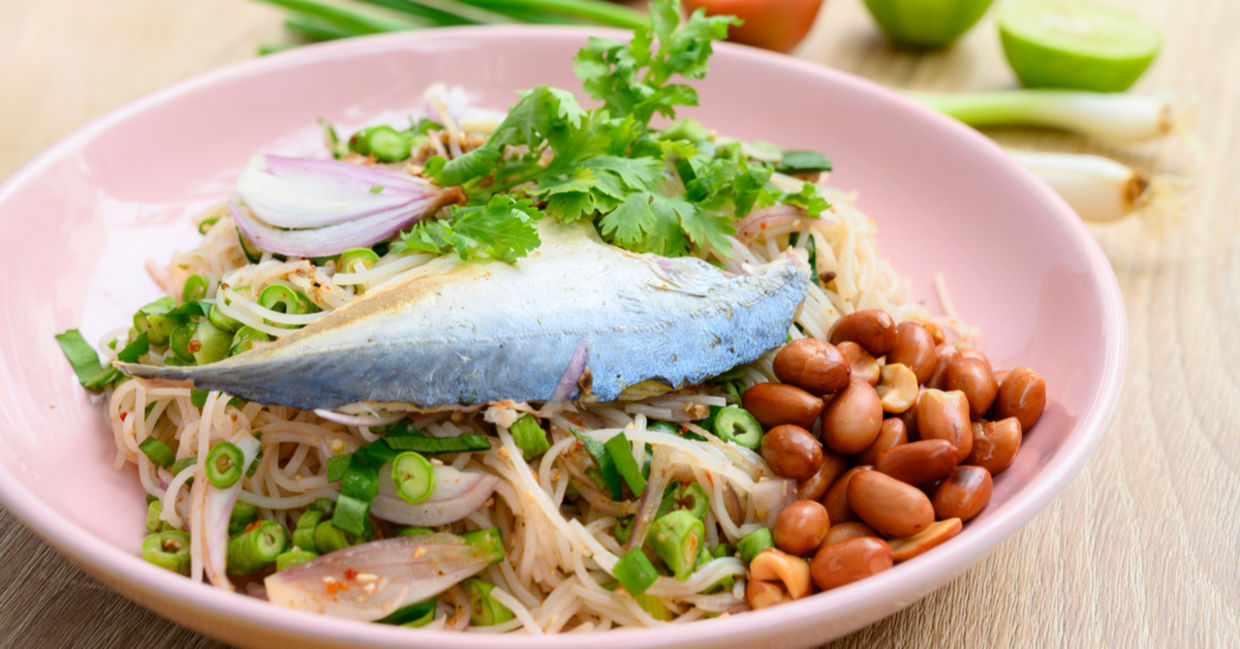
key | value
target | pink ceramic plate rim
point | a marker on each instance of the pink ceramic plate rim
(905, 583)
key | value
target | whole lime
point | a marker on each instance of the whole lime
(926, 24)
(1059, 44)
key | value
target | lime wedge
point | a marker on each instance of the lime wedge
(1059, 44)
(926, 24)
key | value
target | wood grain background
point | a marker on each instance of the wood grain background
(1141, 550)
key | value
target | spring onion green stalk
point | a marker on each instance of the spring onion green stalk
(606, 466)
(414, 615)
(414, 531)
(736, 425)
(154, 510)
(678, 538)
(1098, 188)
(329, 538)
(529, 436)
(655, 607)
(754, 543)
(723, 584)
(623, 529)
(168, 550)
(413, 476)
(157, 452)
(687, 496)
(178, 342)
(434, 445)
(195, 288)
(486, 610)
(242, 515)
(209, 343)
(183, 464)
(205, 225)
(296, 556)
(153, 319)
(635, 572)
(303, 534)
(601, 12)
(352, 21)
(243, 341)
(325, 505)
(256, 548)
(279, 297)
(1105, 115)
(224, 464)
(355, 259)
(489, 539)
(352, 514)
(621, 452)
(222, 321)
(723, 550)
(383, 142)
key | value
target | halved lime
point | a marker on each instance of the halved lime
(1060, 44)
(926, 24)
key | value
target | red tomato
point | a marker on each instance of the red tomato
(770, 24)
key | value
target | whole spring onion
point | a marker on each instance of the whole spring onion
(678, 538)
(1109, 116)
(256, 548)
(224, 464)
(1099, 189)
(168, 550)
(485, 610)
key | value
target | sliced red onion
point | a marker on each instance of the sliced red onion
(308, 193)
(761, 220)
(369, 581)
(572, 373)
(216, 512)
(456, 494)
(719, 603)
(462, 609)
(661, 469)
(769, 497)
(330, 239)
(360, 420)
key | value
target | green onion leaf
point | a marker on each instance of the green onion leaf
(603, 460)
(529, 436)
(414, 615)
(635, 572)
(621, 452)
(157, 451)
(433, 445)
(801, 162)
(352, 514)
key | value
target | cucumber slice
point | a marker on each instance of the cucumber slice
(926, 24)
(1059, 44)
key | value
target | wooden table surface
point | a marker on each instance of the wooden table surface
(1141, 550)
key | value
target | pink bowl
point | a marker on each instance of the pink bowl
(80, 220)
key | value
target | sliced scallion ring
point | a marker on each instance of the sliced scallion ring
(414, 477)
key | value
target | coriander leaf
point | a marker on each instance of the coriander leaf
(799, 162)
(503, 230)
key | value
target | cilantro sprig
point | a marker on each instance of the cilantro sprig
(670, 191)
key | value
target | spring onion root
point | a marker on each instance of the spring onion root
(1099, 189)
(1108, 116)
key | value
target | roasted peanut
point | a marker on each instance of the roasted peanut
(792, 451)
(944, 355)
(801, 527)
(775, 404)
(891, 434)
(945, 415)
(897, 388)
(873, 329)
(970, 352)
(852, 420)
(964, 493)
(776, 577)
(815, 486)
(892, 507)
(906, 548)
(936, 332)
(851, 560)
(972, 377)
(1022, 395)
(813, 365)
(864, 365)
(918, 462)
(847, 530)
(909, 417)
(995, 444)
(836, 500)
(914, 349)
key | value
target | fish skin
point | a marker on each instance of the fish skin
(453, 332)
